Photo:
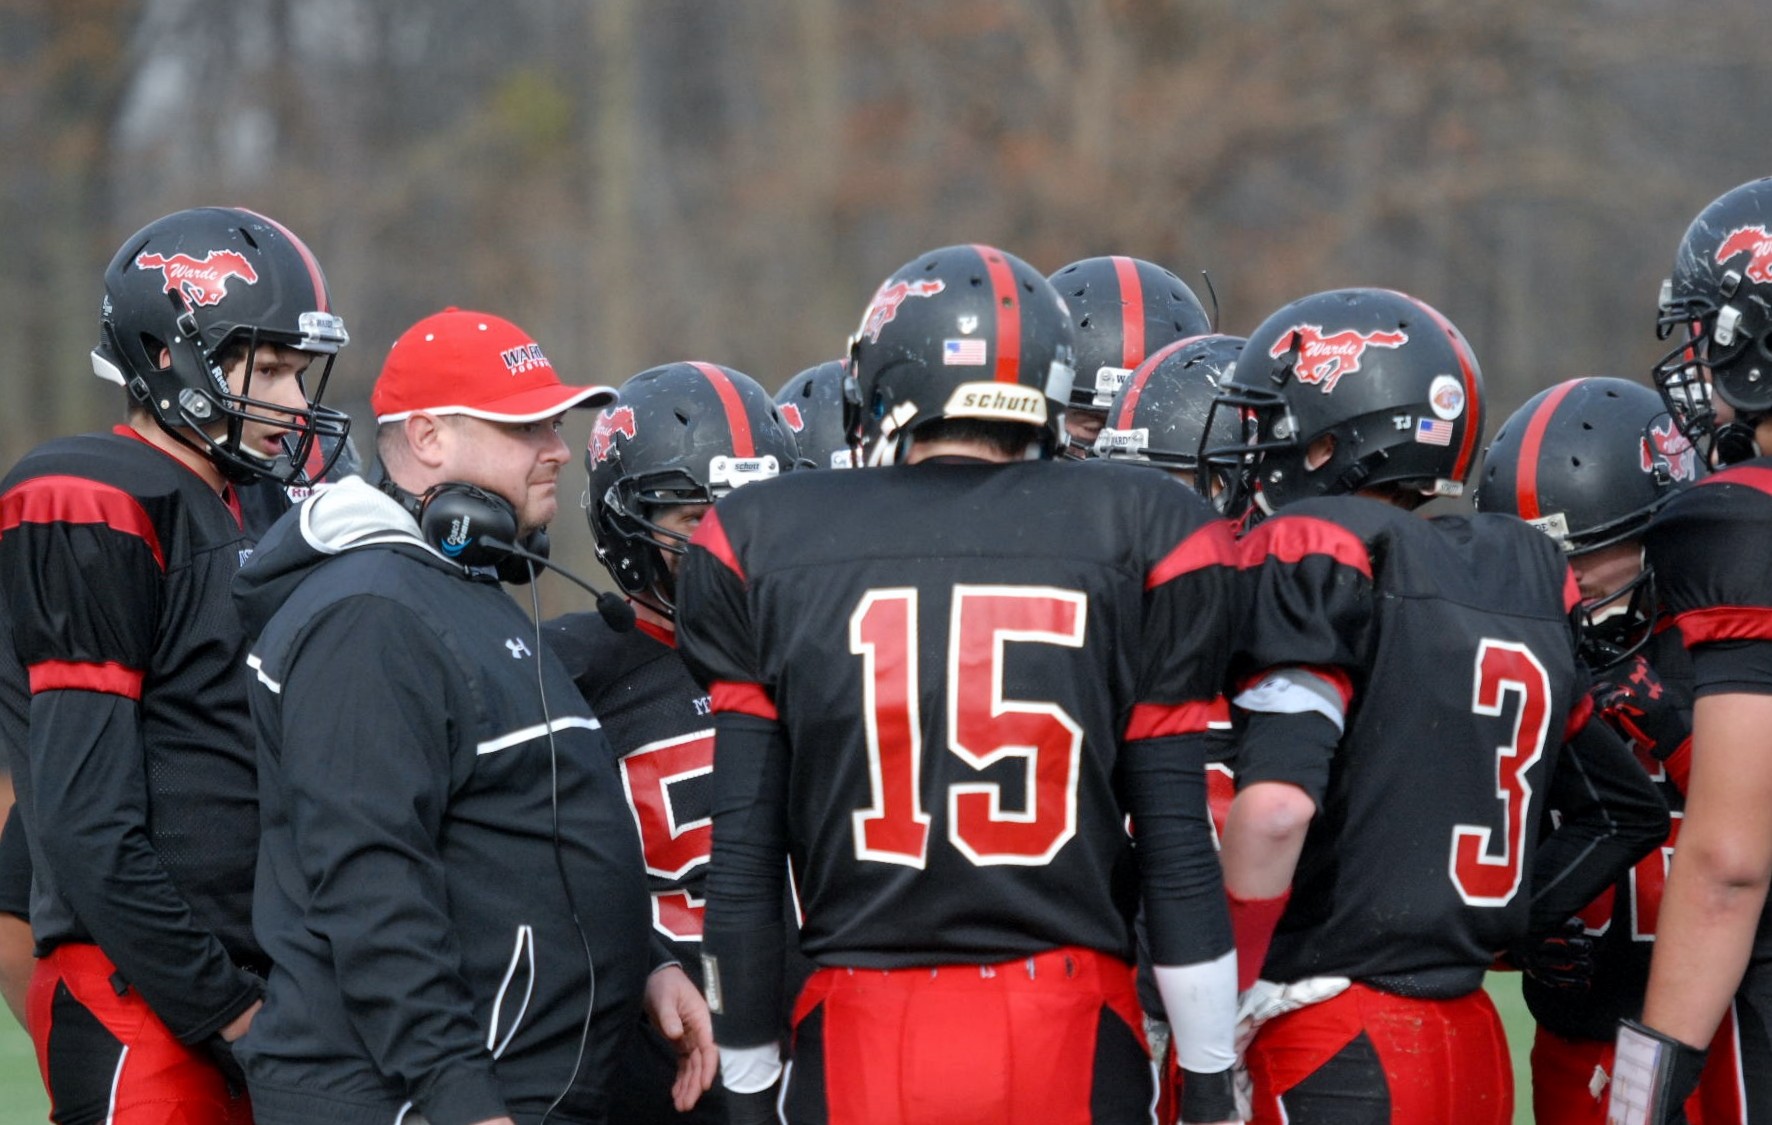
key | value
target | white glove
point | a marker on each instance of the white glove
(1266, 1000)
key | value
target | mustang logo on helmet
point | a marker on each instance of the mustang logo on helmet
(891, 295)
(1752, 240)
(1325, 359)
(614, 420)
(1664, 444)
(790, 413)
(202, 281)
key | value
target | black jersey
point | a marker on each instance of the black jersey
(959, 656)
(660, 722)
(1622, 921)
(1453, 640)
(125, 710)
(1709, 548)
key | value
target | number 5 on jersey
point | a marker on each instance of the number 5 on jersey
(983, 727)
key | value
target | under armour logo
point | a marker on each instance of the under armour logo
(518, 649)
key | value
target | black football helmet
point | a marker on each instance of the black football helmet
(1159, 416)
(683, 433)
(1588, 462)
(815, 404)
(197, 283)
(1124, 309)
(966, 331)
(1388, 378)
(1719, 301)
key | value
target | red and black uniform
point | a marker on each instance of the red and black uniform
(1709, 548)
(661, 723)
(132, 751)
(1451, 641)
(940, 689)
(1577, 1026)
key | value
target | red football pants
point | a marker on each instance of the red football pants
(1369, 1056)
(107, 1058)
(1563, 1082)
(1056, 1038)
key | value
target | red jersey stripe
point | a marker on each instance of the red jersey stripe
(1725, 623)
(1532, 446)
(78, 500)
(1157, 720)
(1291, 539)
(1211, 545)
(1750, 475)
(1131, 311)
(710, 536)
(72, 675)
(736, 419)
(746, 699)
(1007, 303)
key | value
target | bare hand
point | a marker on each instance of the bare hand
(677, 1009)
(237, 1026)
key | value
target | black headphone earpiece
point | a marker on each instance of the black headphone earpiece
(471, 526)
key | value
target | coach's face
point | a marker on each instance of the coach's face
(519, 461)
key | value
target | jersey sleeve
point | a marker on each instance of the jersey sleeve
(1706, 548)
(714, 628)
(1192, 597)
(82, 570)
(1310, 600)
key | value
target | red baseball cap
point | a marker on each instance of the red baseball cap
(464, 362)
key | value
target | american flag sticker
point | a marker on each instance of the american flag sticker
(962, 353)
(1433, 431)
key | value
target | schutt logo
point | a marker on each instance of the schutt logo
(1751, 240)
(1325, 359)
(887, 300)
(615, 420)
(1664, 444)
(202, 281)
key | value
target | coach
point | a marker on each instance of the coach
(449, 883)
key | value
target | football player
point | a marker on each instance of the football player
(123, 695)
(1158, 417)
(1713, 948)
(681, 436)
(939, 688)
(1407, 687)
(814, 406)
(1124, 309)
(1589, 462)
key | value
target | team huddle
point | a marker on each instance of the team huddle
(1051, 710)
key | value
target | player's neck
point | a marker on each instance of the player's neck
(644, 612)
(152, 433)
(972, 450)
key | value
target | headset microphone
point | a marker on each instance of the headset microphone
(615, 611)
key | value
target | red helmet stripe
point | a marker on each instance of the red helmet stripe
(1006, 304)
(1141, 376)
(317, 278)
(1531, 446)
(1473, 395)
(1131, 311)
(736, 419)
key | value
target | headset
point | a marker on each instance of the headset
(478, 529)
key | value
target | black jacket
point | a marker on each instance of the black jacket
(445, 839)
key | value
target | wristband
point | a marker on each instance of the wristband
(1652, 1076)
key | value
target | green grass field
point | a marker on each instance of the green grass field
(22, 1101)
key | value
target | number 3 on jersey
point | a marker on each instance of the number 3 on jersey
(983, 727)
(1485, 873)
